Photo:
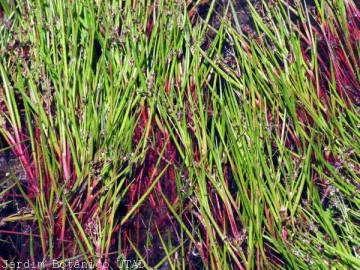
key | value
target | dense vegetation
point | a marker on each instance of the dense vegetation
(181, 135)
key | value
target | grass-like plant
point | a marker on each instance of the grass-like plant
(146, 132)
